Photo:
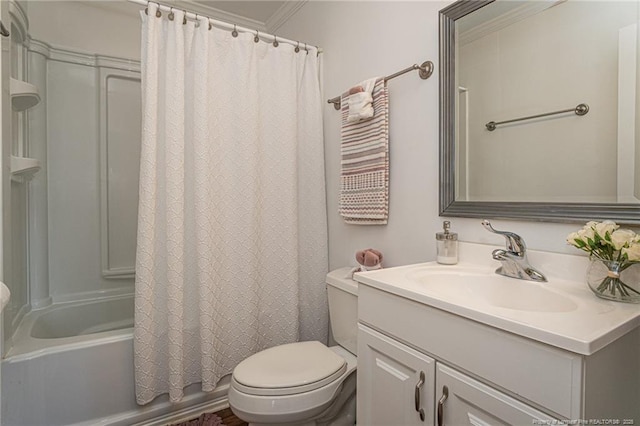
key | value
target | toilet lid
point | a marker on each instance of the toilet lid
(287, 369)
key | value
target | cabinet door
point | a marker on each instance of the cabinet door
(461, 400)
(395, 382)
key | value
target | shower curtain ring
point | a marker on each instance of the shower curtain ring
(297, 49)
(306, 48)
(235, 31)
(184, 18)
(257, 37)
(171, 15)
(210, 24)
(197, 21)
(158, 13)
(275, 41)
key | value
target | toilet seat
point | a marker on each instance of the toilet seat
(288, 369)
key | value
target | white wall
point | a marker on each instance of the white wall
(103, 27)
(363, 39)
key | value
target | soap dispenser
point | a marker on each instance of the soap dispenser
(447, 245)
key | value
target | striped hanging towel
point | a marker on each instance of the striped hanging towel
(364, 179)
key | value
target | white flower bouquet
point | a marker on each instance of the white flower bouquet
(605, 241)
(612, 251)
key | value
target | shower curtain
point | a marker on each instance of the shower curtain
(232, 244)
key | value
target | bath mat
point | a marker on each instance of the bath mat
(207, 419)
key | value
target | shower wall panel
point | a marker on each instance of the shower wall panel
(93, 132)
(38, 199)
(120, 130)
(17, 305)
(74, 251)
(15, 186)
(85, 55)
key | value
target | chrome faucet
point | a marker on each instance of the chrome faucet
(514, 258)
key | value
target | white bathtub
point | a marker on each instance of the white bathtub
(67, 368)
(84, 318)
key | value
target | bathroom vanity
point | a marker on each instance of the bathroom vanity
(453, 345)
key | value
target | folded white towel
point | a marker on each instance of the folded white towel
(360, 107)
(361, 103)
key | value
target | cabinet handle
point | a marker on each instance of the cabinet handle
(417, 396)
(443, 398)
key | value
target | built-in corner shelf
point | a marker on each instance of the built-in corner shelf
(23, 95)
(23, 168)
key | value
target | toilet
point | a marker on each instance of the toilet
(305, 383)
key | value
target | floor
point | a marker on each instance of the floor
(227, 416)
(229, 419)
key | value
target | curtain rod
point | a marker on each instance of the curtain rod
(424, 71)
(236, 28)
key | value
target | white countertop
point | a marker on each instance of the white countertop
(584, 324)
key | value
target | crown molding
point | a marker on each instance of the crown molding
(277, 19)
(221, 15)
(504, 20)
(283, 14)
(188, 5)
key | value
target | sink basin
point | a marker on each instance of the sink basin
(484, 286)
(562, 312)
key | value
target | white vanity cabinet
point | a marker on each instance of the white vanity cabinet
(492, 376)
(462, 400)
(395, 382)
(398, 385)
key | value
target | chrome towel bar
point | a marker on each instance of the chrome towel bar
(581, 109)
(424, 71)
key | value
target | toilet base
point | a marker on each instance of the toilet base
(337, 408)
(341, 413)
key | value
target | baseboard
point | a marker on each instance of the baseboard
(188, 413)
(162, 412)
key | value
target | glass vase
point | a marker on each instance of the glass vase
(612, 280)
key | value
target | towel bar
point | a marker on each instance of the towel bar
(580, 109)
(424, 71)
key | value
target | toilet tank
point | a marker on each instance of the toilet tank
(343, 308)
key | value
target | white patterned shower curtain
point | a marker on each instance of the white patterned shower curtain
(232, 244)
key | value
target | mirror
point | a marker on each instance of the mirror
(538, 110)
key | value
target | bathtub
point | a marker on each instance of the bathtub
(72, 364)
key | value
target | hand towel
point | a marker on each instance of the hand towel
(360, 101)
(364, 179)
